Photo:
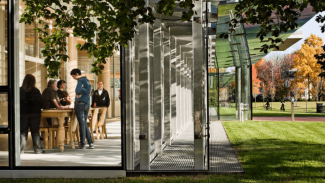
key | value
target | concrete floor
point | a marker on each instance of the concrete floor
(107, 152)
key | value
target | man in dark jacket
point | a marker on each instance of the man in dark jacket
(100, 97)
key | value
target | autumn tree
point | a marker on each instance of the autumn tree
(318, 90)
(269, 73)
(306, 63)
(256, 83)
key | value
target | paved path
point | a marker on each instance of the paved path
(223, 158)
(276, 118)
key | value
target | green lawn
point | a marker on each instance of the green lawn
(300, 109)
(279, 151)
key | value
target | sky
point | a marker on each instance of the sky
(310, 27)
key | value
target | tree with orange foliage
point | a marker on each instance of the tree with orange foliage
(256, 83)
(306, 63)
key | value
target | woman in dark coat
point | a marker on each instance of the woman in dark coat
(31, 102)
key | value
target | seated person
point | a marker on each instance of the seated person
(51, 98)
(62, 94)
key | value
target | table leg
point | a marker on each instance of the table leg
(61, 133)
(93, 122)
(102, 122)
(72, 128)
(96, 127)
(46, 137)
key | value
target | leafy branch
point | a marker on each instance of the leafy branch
(110, 22)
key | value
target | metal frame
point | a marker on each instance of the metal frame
(13, 100)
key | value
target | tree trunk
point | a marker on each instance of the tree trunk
(255, 102)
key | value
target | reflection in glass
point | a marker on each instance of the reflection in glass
(3, 110)
(227, 93)
(4, 155)
(3, 43)
(30, 39)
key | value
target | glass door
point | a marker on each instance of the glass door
(5, 90)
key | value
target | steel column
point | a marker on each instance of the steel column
(238, 92)
(173, 86)
(178, 87)
(145, 33)
(158, 90)
(130, 104)
(167, 86)
(199, 87)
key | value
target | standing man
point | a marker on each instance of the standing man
(81, 107)
(101, 98)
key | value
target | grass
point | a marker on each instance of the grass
(279, 151)
(300, 109)
(269, 152)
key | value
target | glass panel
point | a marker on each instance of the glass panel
(3, 110)
(84, 64)
(227, 95)
(30, 41)
(3, 43)
(4, 155)
(117, 84)
(41, 44)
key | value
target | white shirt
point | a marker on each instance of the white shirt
(100, 92)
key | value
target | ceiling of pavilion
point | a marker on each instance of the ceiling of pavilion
(243, 46)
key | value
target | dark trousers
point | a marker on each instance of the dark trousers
(282, 108)
(31, 121)
(81, 110)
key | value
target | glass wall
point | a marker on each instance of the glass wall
(4, 153)
(61, 145)
(3, 43)
(4, 113)
(115, 85)
(4, 110)
(227, 93)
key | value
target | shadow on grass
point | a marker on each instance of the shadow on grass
(280, 160)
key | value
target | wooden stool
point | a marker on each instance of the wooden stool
(101, 123)
(46, 131)
(53, 131)
(93, 121)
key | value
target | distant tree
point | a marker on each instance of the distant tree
(256, 83)
(297, 89)
(307, 68)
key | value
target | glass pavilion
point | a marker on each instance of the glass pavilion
(175, 77)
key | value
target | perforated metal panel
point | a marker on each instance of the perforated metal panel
(179, 155)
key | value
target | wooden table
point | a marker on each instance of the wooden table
(61, 114)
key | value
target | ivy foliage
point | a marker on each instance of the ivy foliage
(116, 19)
(275, 17)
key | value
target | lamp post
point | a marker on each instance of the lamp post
(292, 109)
